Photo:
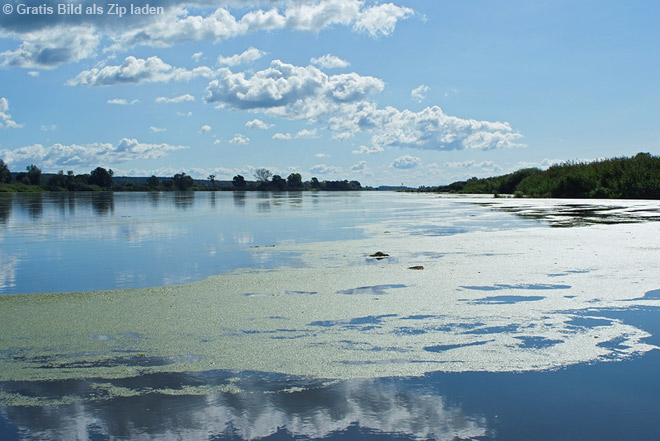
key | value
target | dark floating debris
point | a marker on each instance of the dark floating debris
(379, 255)
(416, 267)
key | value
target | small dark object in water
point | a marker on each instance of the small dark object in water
(379, 255)
(416, 267)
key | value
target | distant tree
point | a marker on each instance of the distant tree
(212, 179)
(101, 177)
(5, 174)
(239, 182)
(57, 182)
(153, 181)
(278, 183)
(294, 181)
(182, 181)
(262, 175)
(315, 183)
(33, 174)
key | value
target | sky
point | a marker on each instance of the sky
(412, 92)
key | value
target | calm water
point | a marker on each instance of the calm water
(96, 241)
(79, 242)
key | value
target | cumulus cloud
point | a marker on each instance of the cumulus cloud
(178, 25)
(257, 124)
(282, 136)
(360, 166)
(50, 47)
(322, 155)
(343, 102)
(381, 19)
(330, 62)
(429, 129)
(157, 129)
(419, 94)
(205, 128)
(177, 99)
(322, 169)
(122, 102)
(6, 121)
(61, 156)
(48, 128)
(246, 57)
(291, 91)
(304, 133)
(240, 139)
(137, 70)
(406, 162)
(58, 39)
(364, 150)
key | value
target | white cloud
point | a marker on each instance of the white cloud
(381, 19)
(50, 47)
(59, 39)
(157, 129)
(177, 25)
(342, 101)
(48, 128)
(322, 155)
(34, 73)
(291, 91)
(122, 102)
(406, 162)
(361, 165)
(330, 62)
(304, 133)
(257, 124)
(429, 129)
(364, 150)
(469, 164)
(138, 70)
(322, 169)
(61, 156)
(177, 99)
(419, 94)
(6, 121)
(282, 136)
(240, 139)
(246, 57)
(205, 128)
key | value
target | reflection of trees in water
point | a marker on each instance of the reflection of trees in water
(154, 198)
(239, 199)
(6, 202)
(263, 203)
(266, 405)
(184, 200)
(32, 204)
(103, 203)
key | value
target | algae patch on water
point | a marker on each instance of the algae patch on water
(334, 319)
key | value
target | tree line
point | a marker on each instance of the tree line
(101, 179)
(625, 178)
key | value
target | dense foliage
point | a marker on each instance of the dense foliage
(629, 178)
(101, 179)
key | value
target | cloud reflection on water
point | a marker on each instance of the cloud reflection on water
(260, 405)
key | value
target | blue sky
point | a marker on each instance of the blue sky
(415, 92)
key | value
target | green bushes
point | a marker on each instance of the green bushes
(629, 178)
